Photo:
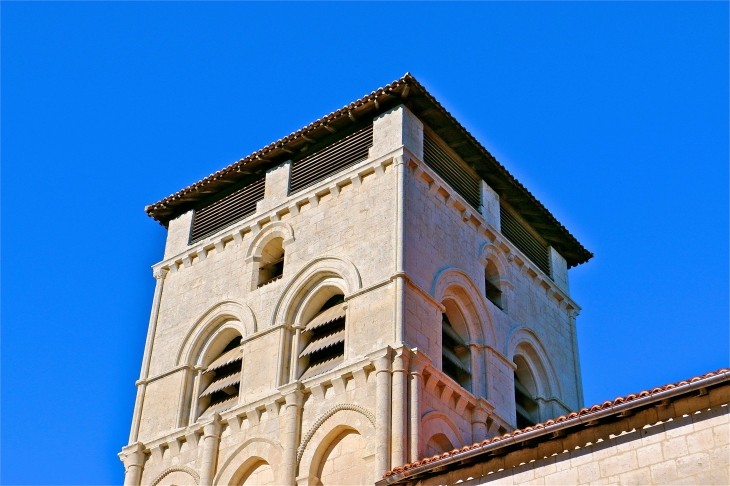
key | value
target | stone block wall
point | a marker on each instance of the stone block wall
(398, 243)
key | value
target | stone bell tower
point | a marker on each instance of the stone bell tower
(369, 290)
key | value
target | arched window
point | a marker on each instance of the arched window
(324, 339)
(271, 266)
(455, 354)
(528, 410)
(491, 281)
(220, 382)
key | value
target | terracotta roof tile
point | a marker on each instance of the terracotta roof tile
(377, 102)
(582, 412)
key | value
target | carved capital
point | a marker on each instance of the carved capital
(160, 273)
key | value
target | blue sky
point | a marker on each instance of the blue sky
(615, 115)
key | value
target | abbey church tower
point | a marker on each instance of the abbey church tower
(370, 290)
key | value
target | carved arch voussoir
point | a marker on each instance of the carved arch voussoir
(173, 469)
(277, 229)
(323, 418)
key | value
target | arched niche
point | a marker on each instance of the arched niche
(435, 427)
(327, 433)
(246, 459)
(176, 475)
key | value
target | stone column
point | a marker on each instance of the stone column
(478, 379)
(382, 416)
(211, 440)
(572, 317)
(416, 382)
(399, 164)
(151, 328)
(478, 424)
(133, 458)
(399, 399)
(294, 364)
(292, 419)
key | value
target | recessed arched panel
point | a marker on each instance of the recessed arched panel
(241, 465)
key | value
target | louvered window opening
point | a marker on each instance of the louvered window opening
(222, 391)
(527, 407)
(326, 347)
(455, 356)
(523, 239)
(451, 171)
(227, 210)
(333, 158)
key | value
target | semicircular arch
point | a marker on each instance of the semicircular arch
(277, 229)
(525, 343)
(455, 284)
(328, 427)
(173, 469)
(229, 314)
(310, 275)
(248, 455)
(434, 423)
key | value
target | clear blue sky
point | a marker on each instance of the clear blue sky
(615, 115)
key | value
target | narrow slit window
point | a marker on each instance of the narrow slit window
(492, 285)
(271, 267)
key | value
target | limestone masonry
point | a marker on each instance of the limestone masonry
(369, 291)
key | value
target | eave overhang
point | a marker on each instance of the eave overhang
(409, 92)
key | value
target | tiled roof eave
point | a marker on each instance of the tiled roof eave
(582, 417)
(369, 106)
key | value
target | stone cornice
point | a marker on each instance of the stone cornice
(473, 218)
(254, 223)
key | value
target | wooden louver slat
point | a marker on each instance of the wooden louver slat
(451, 171)
(227, 210)
(331, 159)
(523, 239)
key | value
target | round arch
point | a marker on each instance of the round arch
(310, 275)
(435, 423)
(227, 314)
(248, 455)
(174, 469)
(524, 343)
(328, 428)
(277, 229)
(490, 252)
(456, 285)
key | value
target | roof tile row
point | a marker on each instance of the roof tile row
(583, 411)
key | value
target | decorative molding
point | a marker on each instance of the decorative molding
(254, 223)
(323, 418)
(173, 469)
